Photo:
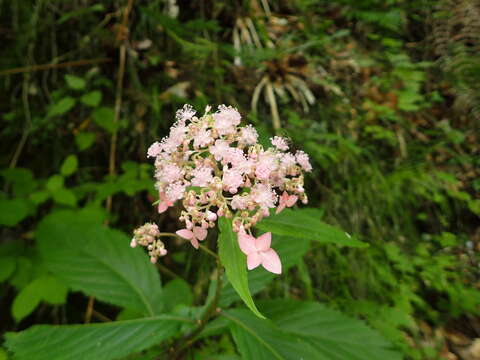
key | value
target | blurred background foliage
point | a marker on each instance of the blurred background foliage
(383, 95)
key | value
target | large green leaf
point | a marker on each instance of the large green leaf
(94, 341)
(13, 211)
(262, 340)
(98, 261)
(300, 330)
(334, 335)
(305, 224)
(235, 263)
(290, 251)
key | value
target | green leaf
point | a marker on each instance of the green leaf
(3, 354)
(92, 99)
(261, 340)
(177, 292)
(235, 263)
(332, 334)
(105, 118)
(7, 267)
(55, 182)
(84, 140)
(26, 301)
(53, 291)
(13, 211)
(69, 165)
(82, 11)
(65, 197)
(305, 224)
(61, 107)
(75, 82)
(98, 261)
(39, 197)
(22, 180)
(105, 341)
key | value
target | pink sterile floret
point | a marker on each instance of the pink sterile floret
(258, 252)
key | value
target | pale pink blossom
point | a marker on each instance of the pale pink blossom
(154, 149)
(259, 252)
(279, 142)
(202, 176)
(240, 202)
(185, 113)
(265, 165)
(303, 160)
(232, 180)
(175, 191)
(287, 160)
(202, 138)
(194, 235)
(170, 173)
(226, 118)
(164, 203)
(248, 135)
(286, 200)
(219, 149)
(264, 196)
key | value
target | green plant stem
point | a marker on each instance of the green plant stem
(210, 311)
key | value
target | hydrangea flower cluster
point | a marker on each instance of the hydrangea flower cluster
(217, 168)
(147, 236)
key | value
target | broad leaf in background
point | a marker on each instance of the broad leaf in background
(305, 224)
(98, 261)
(45, 288)
(334, 336)
(234, 262)
(290, 250)
(258, 339)
(69, 165)
(95, 341)
(12, 211)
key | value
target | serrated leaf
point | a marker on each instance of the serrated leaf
(105, 341)
(7, 267)
(92, 99)
(65, 197)
(12, 211)
(305, 224)
(105, 118)
(98, 261)
(235, 262)
(332, 334)
(258, 339)
(61, 107)
(84, 140)
(69, 165)
(75, 82)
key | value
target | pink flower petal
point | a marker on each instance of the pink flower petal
(162, 206)
(184, 233)
(246, 243)
(199, 233)
(292, 199)
(253, 260)
(271, 261)
(262, 243)
(194, 243)
(280, 208)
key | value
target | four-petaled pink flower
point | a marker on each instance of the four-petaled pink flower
(164, 203)
(286, 201)
(258, 252)
(197, 233)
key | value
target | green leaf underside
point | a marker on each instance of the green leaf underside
(99, 261)
(235, 263)
(94, 341)
(290, 251)
(300, 330)
(305, 224)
